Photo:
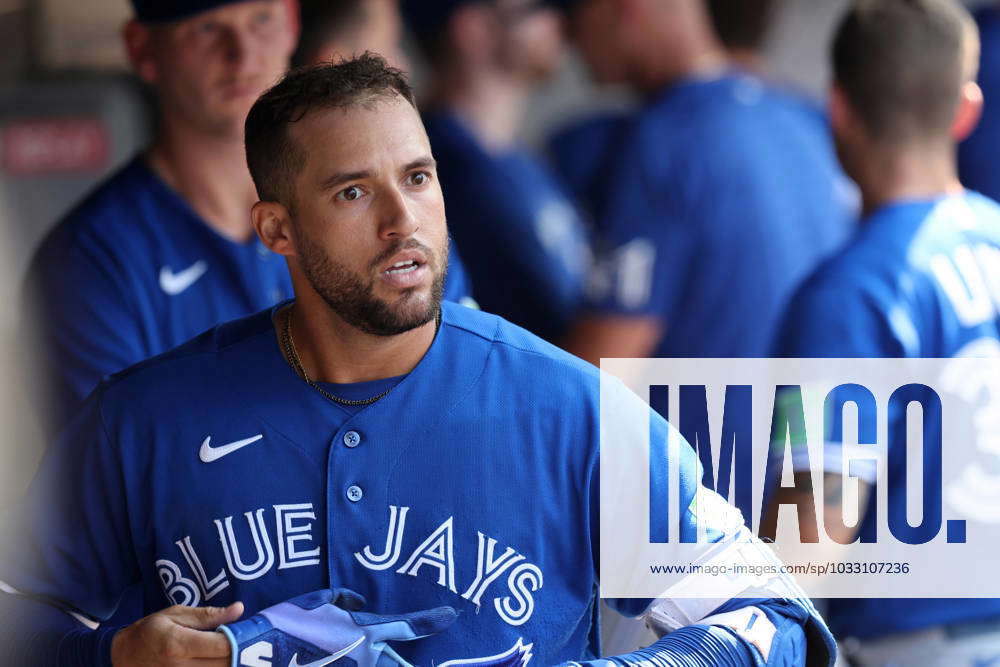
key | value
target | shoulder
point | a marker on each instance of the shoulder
(206, 362)
(114, 213)
(476, 327)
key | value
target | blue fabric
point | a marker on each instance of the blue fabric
(525, 247)
(491, 421)
(880, 297)
(722, 198)
(100, 282)
(583, 154)
(977, 154)
(323, 625)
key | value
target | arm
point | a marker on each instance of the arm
(597, 336)
(738, 607)
(68, 556)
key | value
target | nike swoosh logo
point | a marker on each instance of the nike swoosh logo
(328, 659)
(175, 283)
(207, 453)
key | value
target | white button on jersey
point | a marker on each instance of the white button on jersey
(352, 439)
(354, 493)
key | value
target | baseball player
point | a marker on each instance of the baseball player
(163, 249)
(720, 199)
(334, 30)
(362, 444)
(919, 279)
(976, 153)
(526, 248)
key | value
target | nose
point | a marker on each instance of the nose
(236, 46)
(396, 217)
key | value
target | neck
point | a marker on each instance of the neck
(490, 104)
(209, 171)
(703, 63)
(916, 173)
(331, 350)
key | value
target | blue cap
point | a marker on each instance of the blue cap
(164, 11)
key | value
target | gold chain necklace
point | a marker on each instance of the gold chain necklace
(288, 344)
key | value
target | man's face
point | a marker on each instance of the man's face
(532, 44)
(209, 69)
(369, 221)
(594, 26)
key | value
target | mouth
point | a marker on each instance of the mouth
(405, 269)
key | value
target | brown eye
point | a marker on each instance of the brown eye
(352, 193)
(420, 178)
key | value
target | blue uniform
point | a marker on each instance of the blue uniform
(914, 282)
(977, 154)
(525, 246)
(724, 195)
(133, 271)
(582, 155)
(213, 473)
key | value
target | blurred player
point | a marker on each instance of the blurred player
(720, 199)
(364, 435)
(523, 242)
(337, 29)
(916, 280)
(977, 154)
(164, 249)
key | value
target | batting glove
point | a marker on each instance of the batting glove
(325, 626)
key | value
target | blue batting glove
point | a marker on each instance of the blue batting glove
(326, 628)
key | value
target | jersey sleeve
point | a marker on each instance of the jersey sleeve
(647, 238)
(78, 299)
(68, 543)
(751, 620)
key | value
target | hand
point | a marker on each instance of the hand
(323, 626)
(176, 636)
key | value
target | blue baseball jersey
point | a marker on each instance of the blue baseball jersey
(916, 281)
(213, 473)
(524, 243)
(724, 195)
(977, 154)
(583, 154)
(133, 271)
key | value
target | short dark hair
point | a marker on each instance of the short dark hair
(902, 64)
(323, 20)
(273, 156)
(741, 24)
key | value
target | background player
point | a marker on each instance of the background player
(317, 466)
(721, 198)
(523, 242)
(335, 29)
(163, 249)
(904, 94)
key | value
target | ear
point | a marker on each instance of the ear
(839, 110)
(138, 39)
(273, 225)
(970, 109)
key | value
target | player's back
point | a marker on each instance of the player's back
(731, 186)
(919, 279)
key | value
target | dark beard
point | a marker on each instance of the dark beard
(354, 300)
